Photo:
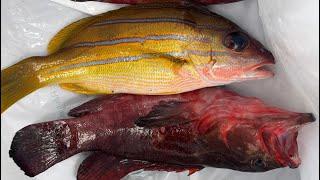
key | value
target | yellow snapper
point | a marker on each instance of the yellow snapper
(151, 49)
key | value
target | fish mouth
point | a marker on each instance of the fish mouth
(282, 143)
(287, 149)
(288, 141)
(259, 71)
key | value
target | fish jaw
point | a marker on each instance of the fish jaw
(282, 142)
(263, 58)
(253, 131)
(258, 71)
(244, 58)
(230, 74)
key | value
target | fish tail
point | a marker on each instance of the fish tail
(18, 81)
(37, 147)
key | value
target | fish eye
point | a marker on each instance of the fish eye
(258, 163)
(236, 41)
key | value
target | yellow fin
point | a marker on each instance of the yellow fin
(58, 41)
(18, 81)
(81, 88)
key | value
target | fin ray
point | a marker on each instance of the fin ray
(80, 88)
(37, 147)
(167, 114)
(94, 105)
(101, 166)
(18, 81)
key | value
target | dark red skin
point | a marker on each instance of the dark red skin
(211, 127)
(207, 2)
(101, 166)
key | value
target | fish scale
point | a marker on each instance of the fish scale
(143, 49)
(198, 128)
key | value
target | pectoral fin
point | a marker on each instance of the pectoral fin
(101, 166)
(83, 88)
(168, 114)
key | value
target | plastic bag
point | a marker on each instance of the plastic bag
(289, 28)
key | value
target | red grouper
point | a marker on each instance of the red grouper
(161, 1)
(207, 127)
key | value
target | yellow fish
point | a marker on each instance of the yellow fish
(152, 49)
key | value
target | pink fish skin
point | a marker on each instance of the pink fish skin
(208, 127)
(207, 2)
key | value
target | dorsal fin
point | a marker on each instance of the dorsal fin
(57, 42)
(95, 105)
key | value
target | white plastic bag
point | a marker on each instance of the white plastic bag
(289, 28)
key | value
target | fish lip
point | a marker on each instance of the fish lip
(292, 159)
(259, 71)
(283, 156)
(262, 64)
(294, 162)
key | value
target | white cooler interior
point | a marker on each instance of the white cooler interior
(289, 28)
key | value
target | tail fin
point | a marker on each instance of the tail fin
(37, 147)
(18, 81)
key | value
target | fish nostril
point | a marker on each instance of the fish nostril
(267, 55)
(262, 50)
(291, 155)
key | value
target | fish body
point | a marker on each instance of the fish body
(207, 2)
(151, 49)
(208, 127)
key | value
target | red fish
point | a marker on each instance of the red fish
(207, 127)
(161, 1)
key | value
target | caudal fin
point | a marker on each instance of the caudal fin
(37, 147)
(18, 81)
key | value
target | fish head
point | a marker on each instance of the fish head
(257, 137)
(238, 57)
(272, 145)
(280, 139)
